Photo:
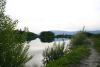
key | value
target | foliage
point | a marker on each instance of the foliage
(71, 59)
(79, 38)
(96, 40)
(88, 34)
(96, 36)
(47, 36)
(63, 36)
(13, 51)
(2, 7)
(54, 52)
(30, 35)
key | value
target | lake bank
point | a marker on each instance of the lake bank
(36, 50)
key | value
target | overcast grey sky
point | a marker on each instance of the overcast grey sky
(69, 15)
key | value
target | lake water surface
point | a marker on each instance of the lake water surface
(36, 50)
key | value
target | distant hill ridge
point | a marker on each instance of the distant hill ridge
(58, 32)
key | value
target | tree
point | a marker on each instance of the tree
(30, 35)
(2, 6)
(13, 51)
(47, 36)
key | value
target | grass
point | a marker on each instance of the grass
(96, 41)
(54, 52)
(96, 44)
(78, 51)
(71, 59)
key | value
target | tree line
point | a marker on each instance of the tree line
(48, 36)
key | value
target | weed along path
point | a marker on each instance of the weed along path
(92, 60)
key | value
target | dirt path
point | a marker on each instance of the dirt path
(92, 60)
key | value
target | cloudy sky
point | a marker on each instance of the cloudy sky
(69, 15)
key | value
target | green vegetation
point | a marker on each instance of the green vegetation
(30, 35)
(71, 59)
(79, 38)
(13, 51)
(97, 43)
(47, 36)
(63, 36)
(53, 53)
(96, 40)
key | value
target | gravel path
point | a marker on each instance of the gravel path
(92, 60)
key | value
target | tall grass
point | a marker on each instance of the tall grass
(96, 41)
(13, 52)
(54, 52)
(78, 51)
(79, 38)
(71, 59)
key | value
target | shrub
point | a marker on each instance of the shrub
(13, 51)
(78, 51)
(79, 38)
(53, 53)
(71, 59)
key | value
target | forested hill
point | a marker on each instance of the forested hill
(29, 35)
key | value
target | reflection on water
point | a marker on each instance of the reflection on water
(36, 50)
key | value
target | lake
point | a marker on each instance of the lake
(36, 50)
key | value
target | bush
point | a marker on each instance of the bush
(71, 59)
(96, 41)
(78, 51)
(13, 51)
(79, 38)
(53, 53)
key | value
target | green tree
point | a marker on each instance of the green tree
(13, 51)
(30, 35)
(47, 36)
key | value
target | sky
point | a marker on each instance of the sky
(66, 15)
